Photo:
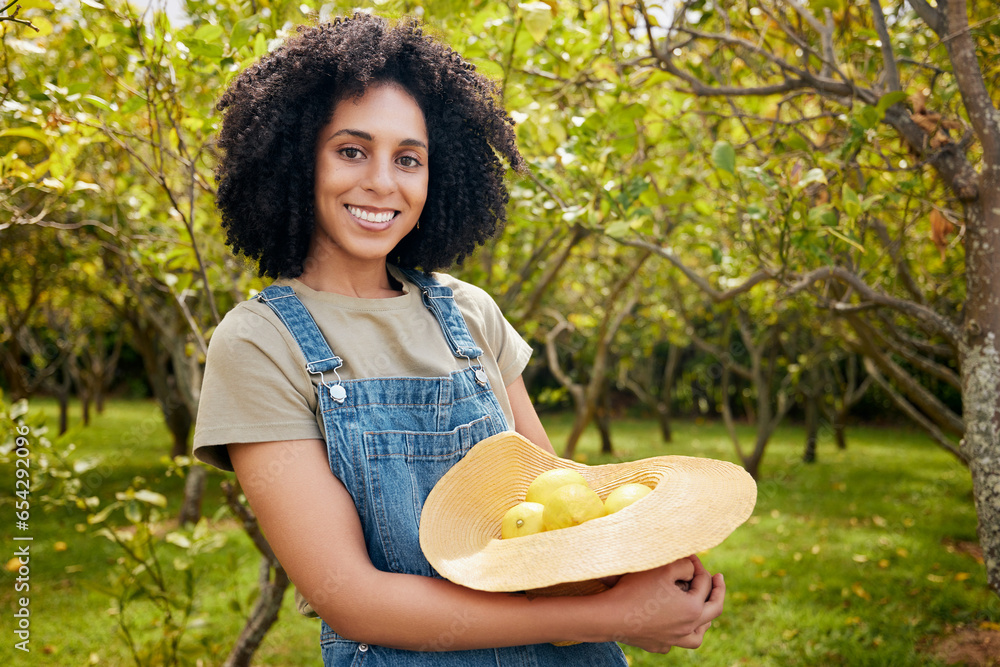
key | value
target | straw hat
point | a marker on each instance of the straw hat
(695, 504)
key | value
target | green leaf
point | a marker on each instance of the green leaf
(868, 117)
(179, 539)
(132, 104)
(97, 102)
(205, 49)
(618, 229)
(703, 207)
(208, 33)
(27, 133)
(795, 143)
(242, 31)
(103, 514)
(844, 238)
(812, 176)
(133, 511)
(888, 100)
(724, 156)
(822, 215)
(151, 497)
(852, 205)
(105, 39)
(537, 19)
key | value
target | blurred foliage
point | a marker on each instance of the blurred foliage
(107, 148)
(154, 584)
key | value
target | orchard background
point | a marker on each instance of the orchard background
(775, 222)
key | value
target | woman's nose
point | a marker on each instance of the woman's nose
(381, 176)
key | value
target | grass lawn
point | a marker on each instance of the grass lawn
(866, 557)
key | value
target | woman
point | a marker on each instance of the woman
(354, 155)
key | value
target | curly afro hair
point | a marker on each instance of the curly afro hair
(275, 109)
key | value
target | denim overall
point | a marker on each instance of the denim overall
(389, 440)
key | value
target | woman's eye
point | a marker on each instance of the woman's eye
(409, 161)
(350, 153)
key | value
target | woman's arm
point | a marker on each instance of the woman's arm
(312, 525)
(526, 421)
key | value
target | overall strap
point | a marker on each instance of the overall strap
(440, 300)
(319, 357)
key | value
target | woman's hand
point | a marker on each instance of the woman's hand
(668, 606)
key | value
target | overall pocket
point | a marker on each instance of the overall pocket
(403, 467)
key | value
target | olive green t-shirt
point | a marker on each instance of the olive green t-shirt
(256, 387)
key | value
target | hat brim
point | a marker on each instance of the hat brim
(695, 504)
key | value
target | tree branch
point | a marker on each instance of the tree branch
(965, 66)
(722, 355)
(934, 18)
(11, 17)
(891, 71)
(250, 524)
(911, 412)
(727, 415)
(930, 367)
(934, 408)
(699, 281)
(825, 31)
(937, 322)
(902, 266)
(552, 355)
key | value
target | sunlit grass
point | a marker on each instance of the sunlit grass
(857, 559)
(850, 560)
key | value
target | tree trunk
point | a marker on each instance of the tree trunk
(812, 428)
(839, 431)
(194, 490)
(63, 412)
(273, 583)
(979, 355)
(581, 417)
(664, 407)
(62, 392)
(603, 418)
(157, 364)
(179, 423)
(664, 418)
(265, 613)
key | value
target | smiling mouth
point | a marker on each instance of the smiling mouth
(380, 217)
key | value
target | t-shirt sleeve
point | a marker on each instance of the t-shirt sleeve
(514, 352)
(255, 389)
(511, 351)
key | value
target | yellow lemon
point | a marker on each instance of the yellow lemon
(625, 495)
(550, 480)
(522, 519)
(571, 505)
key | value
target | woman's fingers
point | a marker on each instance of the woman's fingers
(701, 582)
(716, 600)
(682, 569)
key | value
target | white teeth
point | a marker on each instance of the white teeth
(371, 217)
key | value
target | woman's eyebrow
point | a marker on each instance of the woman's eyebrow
(354, 133)
(361, 134)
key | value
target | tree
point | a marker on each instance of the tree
(862, 93)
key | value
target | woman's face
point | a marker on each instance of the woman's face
(371, 175)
